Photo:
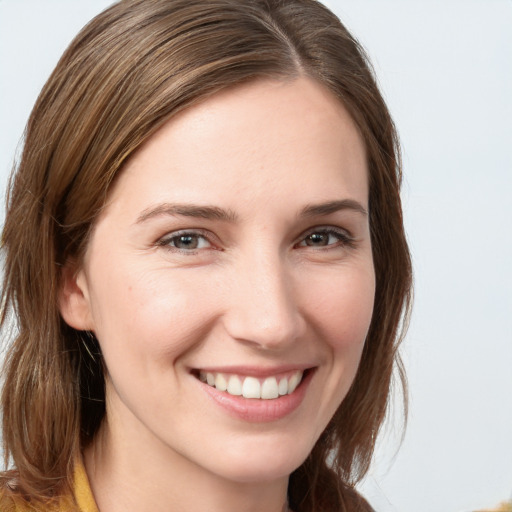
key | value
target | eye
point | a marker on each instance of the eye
(185, 241)
(326, 237)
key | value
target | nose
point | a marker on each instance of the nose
(264, 309)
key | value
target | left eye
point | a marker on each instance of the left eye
(186, 241)
(323, 239)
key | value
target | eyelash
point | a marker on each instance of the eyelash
(344, 239)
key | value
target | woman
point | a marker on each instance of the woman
(205, 256)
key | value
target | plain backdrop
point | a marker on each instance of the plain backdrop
(445, 68)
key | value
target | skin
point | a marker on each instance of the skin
(267, 287)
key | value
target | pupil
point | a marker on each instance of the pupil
(187, 241)
(317, 239)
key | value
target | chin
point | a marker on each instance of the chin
(262, 460)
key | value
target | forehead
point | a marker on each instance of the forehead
(262, 138)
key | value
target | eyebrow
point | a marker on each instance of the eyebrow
(217, 213)
(187, 210)
(329, 207)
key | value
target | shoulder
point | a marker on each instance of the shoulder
(78, 498)
(8, 500)
(12, 502)
(6, 503)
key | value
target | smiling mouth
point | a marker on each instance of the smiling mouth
(268, 388)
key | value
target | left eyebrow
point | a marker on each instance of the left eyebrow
(333, 207)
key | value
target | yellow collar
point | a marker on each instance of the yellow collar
(82, 490)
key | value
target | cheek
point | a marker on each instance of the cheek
(342, 309)
(149, 315)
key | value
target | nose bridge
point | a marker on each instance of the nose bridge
(264, 309)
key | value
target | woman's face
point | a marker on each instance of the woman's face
(235, 252)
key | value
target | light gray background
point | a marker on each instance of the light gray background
(446, 70)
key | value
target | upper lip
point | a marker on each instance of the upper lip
(254, 371)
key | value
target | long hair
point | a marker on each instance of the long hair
(130, 70)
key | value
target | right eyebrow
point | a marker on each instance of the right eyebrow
(187, 210)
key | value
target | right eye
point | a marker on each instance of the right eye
(185, 241)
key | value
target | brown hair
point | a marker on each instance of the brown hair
(129, 71)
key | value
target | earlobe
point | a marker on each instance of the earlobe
(74, 305)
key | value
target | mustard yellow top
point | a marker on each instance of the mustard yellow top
(82, 497)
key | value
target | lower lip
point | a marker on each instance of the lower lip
(258, 410)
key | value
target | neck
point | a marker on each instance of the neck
(149, 477)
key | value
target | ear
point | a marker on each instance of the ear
(74, 304)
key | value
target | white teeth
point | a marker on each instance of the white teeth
(234, 386)
(220, 382)
(251, 387)
(294, 382)
(283, 386)
(269, 388)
